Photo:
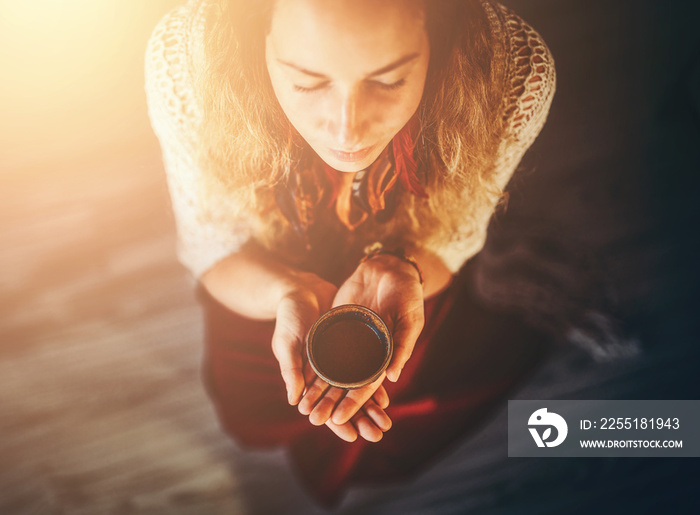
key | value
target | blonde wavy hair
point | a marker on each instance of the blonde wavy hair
(247, 145)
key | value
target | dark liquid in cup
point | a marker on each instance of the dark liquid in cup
(349, 351)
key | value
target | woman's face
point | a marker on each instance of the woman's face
(348, 74)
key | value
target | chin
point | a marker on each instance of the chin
(342, 166)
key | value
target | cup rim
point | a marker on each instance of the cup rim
(335, 313)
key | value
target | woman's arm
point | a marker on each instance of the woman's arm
(253, 283)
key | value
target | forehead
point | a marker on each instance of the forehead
(334, 33)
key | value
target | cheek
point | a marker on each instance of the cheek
(398, 111)
(299, 110)
(305, 114)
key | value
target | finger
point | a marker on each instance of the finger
(366, 428)
(378, 415)
(345, 432)
(312, 395)
(291, 370)
(406, 334)
(324, 407)
(354, 400)
(381, 397)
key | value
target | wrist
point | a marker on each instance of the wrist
(399, 256)
(388, 265)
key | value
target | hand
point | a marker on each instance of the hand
(370, 422)
(307, 297)
(300, 306)
(390, 287)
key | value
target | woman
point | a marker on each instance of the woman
(325, 153)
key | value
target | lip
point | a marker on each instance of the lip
(350, 157)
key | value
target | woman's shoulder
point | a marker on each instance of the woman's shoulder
(526, 66)
(173, 47)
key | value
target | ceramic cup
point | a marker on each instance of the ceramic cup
(349, 346)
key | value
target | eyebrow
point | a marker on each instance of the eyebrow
(381, 71)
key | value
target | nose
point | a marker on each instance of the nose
(346, 123)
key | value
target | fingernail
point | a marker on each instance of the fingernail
(394, 375)
(337, 419)
(290, 398)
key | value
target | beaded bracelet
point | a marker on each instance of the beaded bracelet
(376, 249)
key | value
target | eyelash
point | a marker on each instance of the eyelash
(302, 89)
(392, 86)
(381, 85)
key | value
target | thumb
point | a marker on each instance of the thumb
(288, 346)
(405, 335)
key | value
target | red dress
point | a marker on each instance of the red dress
(465, 363)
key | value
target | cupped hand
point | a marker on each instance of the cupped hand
(300, 306)
(298, 309)
(369, 420)
(390, 287)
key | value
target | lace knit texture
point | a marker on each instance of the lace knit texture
(177, 41)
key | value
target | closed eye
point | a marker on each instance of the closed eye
(383, 85)
(392, 86)
(304, 89)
